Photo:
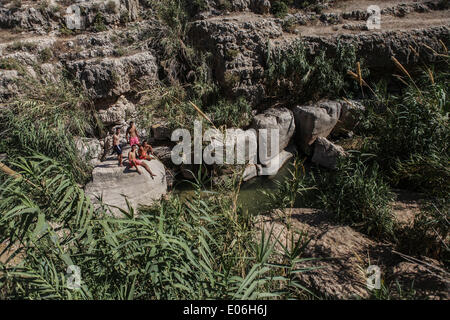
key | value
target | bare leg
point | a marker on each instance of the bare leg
(146, 167)
(134, 165)
(138, 171)
(120, 157)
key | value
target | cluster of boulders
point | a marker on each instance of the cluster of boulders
(111, 77)
(316, 122)
(306, 127)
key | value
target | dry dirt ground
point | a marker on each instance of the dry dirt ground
(341, 256)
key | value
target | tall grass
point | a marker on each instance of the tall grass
(358, 196)
(294, 70)
(44, 119)
(409, 133)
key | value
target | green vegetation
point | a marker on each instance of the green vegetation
(235, 114)
(291, 189)
(292, 71)
(23, 46)
(45, 55)
(409, 134)
(279, 9)
(358, 197)
(403, 144)
(196, 249)
(99, 23)
(46, 118)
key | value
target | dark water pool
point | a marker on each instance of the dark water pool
(250, 195)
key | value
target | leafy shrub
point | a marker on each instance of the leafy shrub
(111, 7)
(194, 7)
(45, 54)
(291, 189)
(292, 71)
(410, 135)
(231, 113)
(45, 120)
(279, 9)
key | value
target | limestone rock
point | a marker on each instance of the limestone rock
(271, 167)
(118, 113)
(348, 117)
(251, 171)
(90, 149)
(337, 247)
(327, 153)
(313, 121)
(280, 119)
(164, 155)
(112, 77)
(114, 183)
(340, 257)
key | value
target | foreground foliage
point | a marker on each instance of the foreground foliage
(191, 249)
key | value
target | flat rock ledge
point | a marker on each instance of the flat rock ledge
(114, 184)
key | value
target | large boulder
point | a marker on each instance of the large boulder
(90, 149)
(313, 121)
(281, 119)
(251, 171)
(327, 153)
(336, 248)
(118, 113)
(260, 6)
(114, 184)
(8, 84)
(271, 167)
(348, 117)
(161, 129)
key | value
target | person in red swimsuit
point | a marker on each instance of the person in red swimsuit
(135, 162)
(144, 151)
(132, 135)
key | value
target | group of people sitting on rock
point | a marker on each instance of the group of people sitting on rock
(138, 153)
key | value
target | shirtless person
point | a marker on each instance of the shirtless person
(132, 134)
(148, 148)
(117, 147)
(135, 162)
(144, 150)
